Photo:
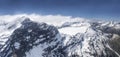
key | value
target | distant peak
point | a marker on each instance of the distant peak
(26, 20)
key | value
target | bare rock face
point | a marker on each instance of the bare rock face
(29, 35)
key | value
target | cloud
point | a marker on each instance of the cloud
(49, 19)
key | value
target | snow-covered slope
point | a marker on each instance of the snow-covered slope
(89, 39)
(65, 37)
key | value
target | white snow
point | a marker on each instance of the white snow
(41, 36)
(27, 37)
(17, 45)
(29, 30)
(73, 30)
(67, 39)
(5, 33)
(35, 52)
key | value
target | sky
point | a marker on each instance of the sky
(106, 9)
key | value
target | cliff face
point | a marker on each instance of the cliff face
(29, 35)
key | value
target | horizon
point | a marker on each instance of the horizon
(94, 9)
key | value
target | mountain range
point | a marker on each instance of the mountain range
(26, 37)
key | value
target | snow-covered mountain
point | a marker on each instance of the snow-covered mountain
(27, 37)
